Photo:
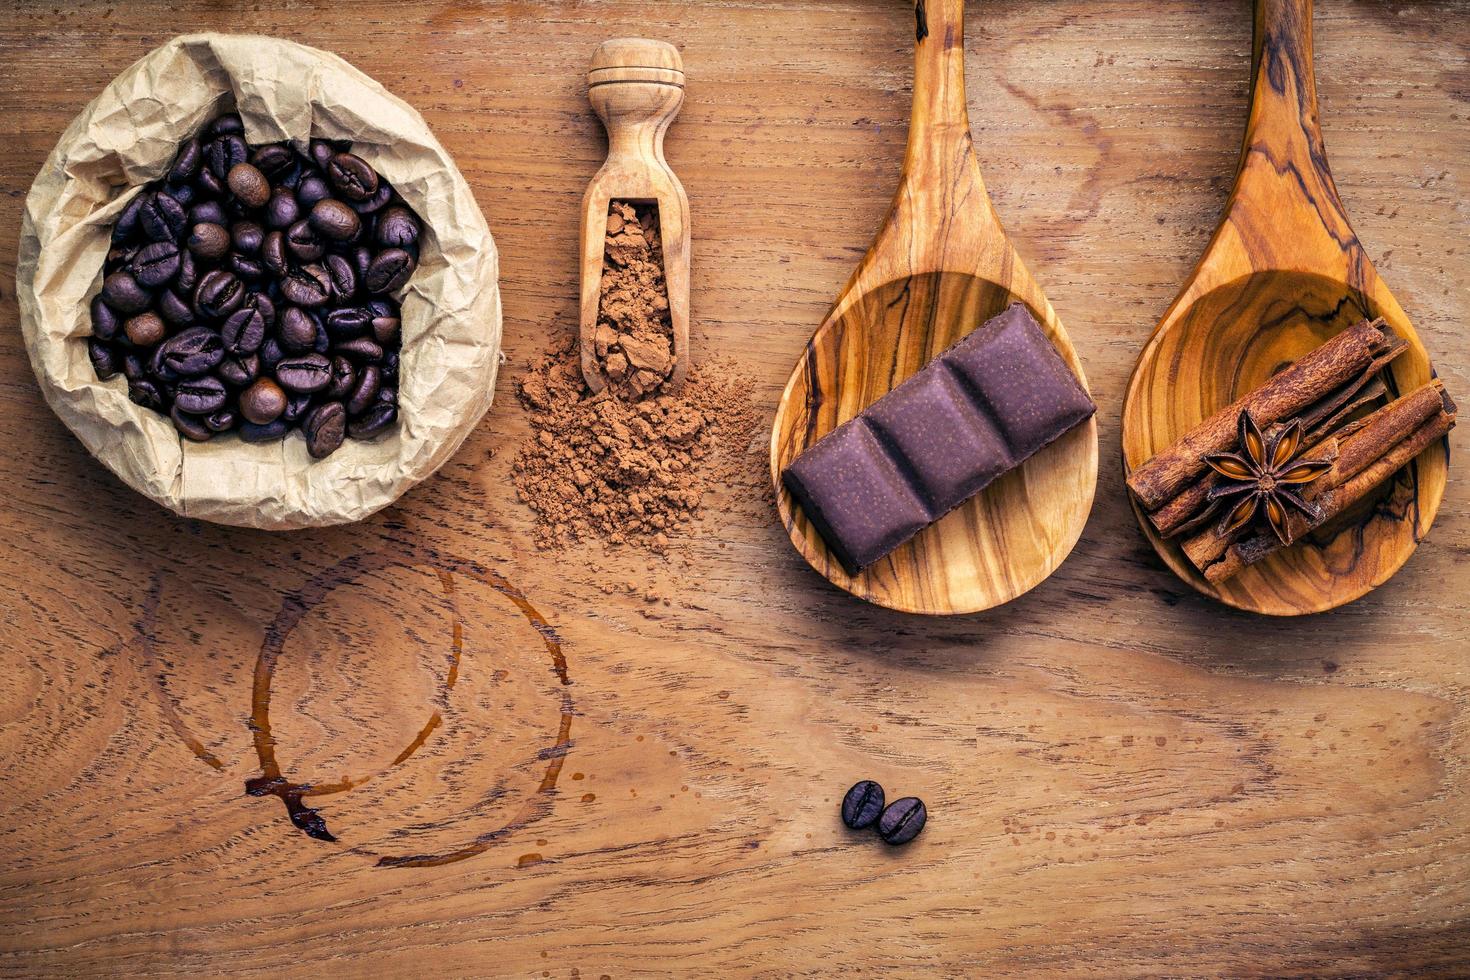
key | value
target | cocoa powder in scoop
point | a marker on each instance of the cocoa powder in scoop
(606, 468)
(633, 342)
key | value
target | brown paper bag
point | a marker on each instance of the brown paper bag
(128, 136)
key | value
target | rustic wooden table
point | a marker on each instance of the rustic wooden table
(1123, 777)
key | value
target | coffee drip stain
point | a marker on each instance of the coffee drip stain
(296, 605)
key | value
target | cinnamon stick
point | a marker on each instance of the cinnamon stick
(1260, 546)
(1304, 383)
(1188, 509)
(1387, 438)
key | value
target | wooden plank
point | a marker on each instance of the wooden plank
(1123, 778)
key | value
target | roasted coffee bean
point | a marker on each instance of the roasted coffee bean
(376, 202)
(375, 421)
(173, 309)
(273, 159)
(244, 331)
(333, 219)
(105, 321)
(321, 153)
(153, 265)
(193, 352)
(145, 329)
(347, 322)
(209, 241)
(862, 805)
(133, 367)
(390, 367)
(386, 330)
(146, 393)
(239, 371)
(304, 374)
(184, 194)
(222, 420)
(246, 267)
(344, 379)
(273, 253)
(127, 221)
(207, 182)
(271, 354)
(188, 278)
(263, 402)
(122, 292)
(103, 357)
(282, 211)
(190, 426)
(352, 176)
(296, 408)
(324, 429)
(207, 212)
(388, 396)
(199, 396)
(307, 286)
(224, 153)
(312, 188)
(362, 257)
(270, 432)
(162, 219)
(228, 123)
(304, 243)
(398, 228)
(220, 293)
(343, 276)
(323, 343)
(298, 329)
(248, 184)
(247, 237)
(157, 369)
(389, 270)
(902, 820)
(365, 394)
(362, 349)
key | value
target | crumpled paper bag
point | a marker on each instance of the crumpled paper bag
(128, 136)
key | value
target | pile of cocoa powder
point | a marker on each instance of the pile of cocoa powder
(633, 463)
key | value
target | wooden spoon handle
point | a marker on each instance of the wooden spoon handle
(1284, 180)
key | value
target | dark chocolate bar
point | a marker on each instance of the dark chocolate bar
(973, 413)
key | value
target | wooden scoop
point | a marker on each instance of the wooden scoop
(636, 86)
(1283, 273)
(940, 267)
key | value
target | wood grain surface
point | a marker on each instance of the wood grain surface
(1124, 777)
(1282, 274)
(940, 266)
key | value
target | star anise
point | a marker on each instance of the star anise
(1267, 471)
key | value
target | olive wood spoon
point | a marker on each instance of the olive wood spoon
(1282, 274)
(636, 87)
(940, 266)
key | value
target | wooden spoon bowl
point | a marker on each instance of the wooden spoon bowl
(1282, 275)
(940, 267)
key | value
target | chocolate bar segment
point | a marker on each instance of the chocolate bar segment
(973, 413)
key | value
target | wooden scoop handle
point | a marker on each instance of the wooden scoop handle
(636, 87)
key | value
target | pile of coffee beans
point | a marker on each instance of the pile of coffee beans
(898, 823)
(251, 290)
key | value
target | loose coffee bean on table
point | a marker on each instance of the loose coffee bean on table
(862, 804)
(250, 290)
(902, 820)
